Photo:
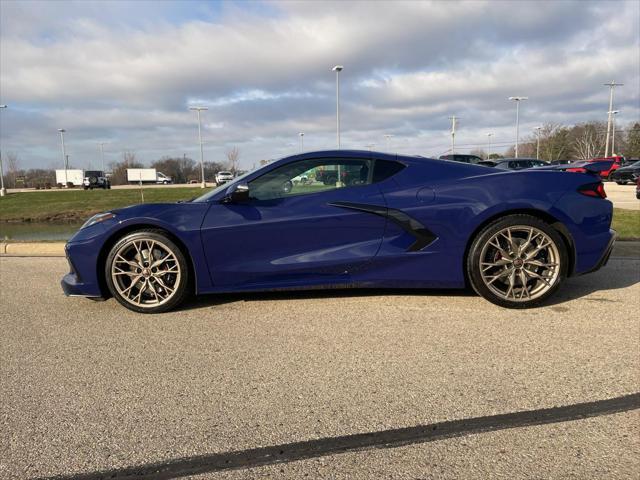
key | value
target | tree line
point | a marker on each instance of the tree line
(578, 142)
(180, 169)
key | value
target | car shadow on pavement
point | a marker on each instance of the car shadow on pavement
(610, 277)
(211, 300)
(574, 288)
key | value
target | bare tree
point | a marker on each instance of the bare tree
(232, 156)
(12, 168)
(128, 157)
(119, 169)
(553, 142)
(588, 143)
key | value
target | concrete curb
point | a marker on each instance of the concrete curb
(32, 249)
(622, 249)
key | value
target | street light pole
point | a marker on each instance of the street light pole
(612, 84)
(453, 119)
(199, 109)
(489, 135)
(613, 131)
(388, 137)
(3, 191)
(64, 156)
(101, 145)
(518, 100)
(301, 135)
(537, 129)
(338, 69)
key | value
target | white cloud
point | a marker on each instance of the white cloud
(128, 71)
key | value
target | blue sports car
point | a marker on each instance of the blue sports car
(335, 219)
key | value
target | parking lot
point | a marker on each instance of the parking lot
(226, 386)
(622, 196)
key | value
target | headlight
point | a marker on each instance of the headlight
(98, 218)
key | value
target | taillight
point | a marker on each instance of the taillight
(593, 190)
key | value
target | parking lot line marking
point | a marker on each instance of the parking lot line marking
(393, 438)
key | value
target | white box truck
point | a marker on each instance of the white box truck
(72, 176)
(147, 175)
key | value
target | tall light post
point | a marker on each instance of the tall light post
(3, 191)
(200, 109)
(370, 146)
(453, 119)
(613, 114)
(301, 135)
(64, 156)
(518, 100)
(101, 146)
(338, 69)
(489, 135)
(537, 129)
(612, 84)
(388, 138)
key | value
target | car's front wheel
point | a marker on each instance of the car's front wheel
(147, 272)
(518, 261)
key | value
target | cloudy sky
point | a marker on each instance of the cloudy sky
(126, 72)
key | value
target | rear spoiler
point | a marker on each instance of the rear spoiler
(590, 167)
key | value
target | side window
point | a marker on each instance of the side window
(311, 176)
(384, 169)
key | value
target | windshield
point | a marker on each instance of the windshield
(222, 187)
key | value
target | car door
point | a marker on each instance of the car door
(292, 231)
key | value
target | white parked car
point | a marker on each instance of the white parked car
(223, 177)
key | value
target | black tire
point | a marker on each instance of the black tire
(478, 279)
(181, 287)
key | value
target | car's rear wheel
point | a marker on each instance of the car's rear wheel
(147, 272)
(518, 261)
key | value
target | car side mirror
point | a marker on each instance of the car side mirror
(238, 193)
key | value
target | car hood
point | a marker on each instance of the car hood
(151, 210)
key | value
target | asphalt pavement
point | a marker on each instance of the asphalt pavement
(622, 196)
(320, 384)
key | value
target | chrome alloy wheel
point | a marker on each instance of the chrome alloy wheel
(520, 263)
(145, 272)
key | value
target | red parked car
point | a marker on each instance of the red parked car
(616, 163)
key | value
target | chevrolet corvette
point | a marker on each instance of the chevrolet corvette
(359, 219)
